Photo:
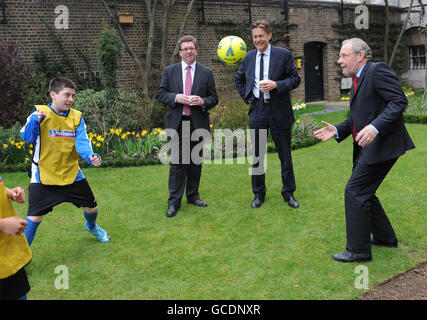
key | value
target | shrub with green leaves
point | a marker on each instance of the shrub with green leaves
(101, 114)
(13, 74)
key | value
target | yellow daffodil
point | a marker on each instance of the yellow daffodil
(298, 121)
(5, 146)
(144, 133)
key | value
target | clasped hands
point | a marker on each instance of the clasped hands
(190, 100)
(363, 138)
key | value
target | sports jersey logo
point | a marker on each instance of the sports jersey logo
(62, 134)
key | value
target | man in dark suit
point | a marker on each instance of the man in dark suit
(264, 79)
(380, 137)
(188, 90)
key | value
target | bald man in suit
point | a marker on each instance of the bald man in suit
(379, 138)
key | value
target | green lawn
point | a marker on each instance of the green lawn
(228, 250)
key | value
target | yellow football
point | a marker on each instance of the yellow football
(231, 50)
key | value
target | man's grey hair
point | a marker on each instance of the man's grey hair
(359, 45)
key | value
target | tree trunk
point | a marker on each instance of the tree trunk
(181, 31)
(151, 10)
(165, 28)
(139, 69)
(386, 33)
(401, 33)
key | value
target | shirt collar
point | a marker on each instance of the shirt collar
(266, 52)
(184, 65)
(358, 73)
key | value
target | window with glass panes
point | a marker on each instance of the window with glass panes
(417, 57)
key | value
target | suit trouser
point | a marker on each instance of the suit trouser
(184, 173)
(363, 210)
(282, 137)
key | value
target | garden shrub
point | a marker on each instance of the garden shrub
(101, 115)
(13, 74)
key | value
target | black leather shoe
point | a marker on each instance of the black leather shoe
(348, 256)
(390, 244)
(292, 202)
(172, 211)
(257, 202)
(198, 203)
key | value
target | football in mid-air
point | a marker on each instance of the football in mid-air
(231, 50)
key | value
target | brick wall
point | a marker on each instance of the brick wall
(88, 18)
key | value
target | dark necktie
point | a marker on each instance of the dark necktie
(354, 90)
(261, 77)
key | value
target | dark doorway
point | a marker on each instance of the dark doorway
(313, 71)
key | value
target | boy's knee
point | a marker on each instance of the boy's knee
(35, 218)
(90, 210)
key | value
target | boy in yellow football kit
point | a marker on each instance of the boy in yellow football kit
(59, 135)
(15, 253)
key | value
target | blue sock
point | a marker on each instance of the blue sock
(30, 231)
(91, 218)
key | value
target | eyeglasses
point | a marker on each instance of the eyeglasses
(345, 55)
(188, 49)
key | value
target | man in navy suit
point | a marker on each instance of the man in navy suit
(188, 90)
(379, 138)
(264, 79)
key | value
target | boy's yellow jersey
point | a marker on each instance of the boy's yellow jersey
(14, 250)
(59, 160)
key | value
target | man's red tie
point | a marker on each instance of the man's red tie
(188, 83)
(354, 90)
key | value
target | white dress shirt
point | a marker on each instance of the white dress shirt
(266, 60)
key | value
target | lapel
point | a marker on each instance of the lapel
(178, 74)
(272, 60)
(196, 76)
(360, 81)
